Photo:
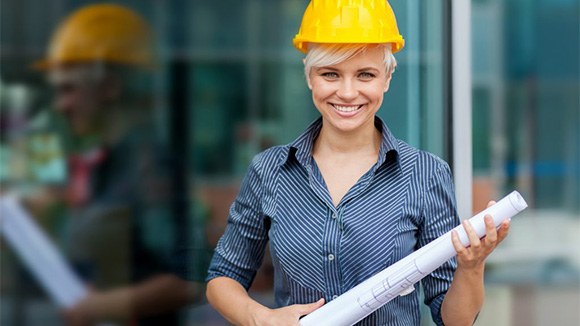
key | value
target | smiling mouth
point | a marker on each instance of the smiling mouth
(346, 108)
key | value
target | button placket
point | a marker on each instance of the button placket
(331, 251)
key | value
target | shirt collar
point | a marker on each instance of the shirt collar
(301, 148)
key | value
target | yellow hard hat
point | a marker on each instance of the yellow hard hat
(348, 21)
(102, 32)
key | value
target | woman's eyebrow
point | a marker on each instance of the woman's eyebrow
(326, 68)
(335, 69)
(368, 68)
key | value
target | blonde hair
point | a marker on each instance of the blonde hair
(321, 54)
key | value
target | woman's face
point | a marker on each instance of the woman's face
(348, 94)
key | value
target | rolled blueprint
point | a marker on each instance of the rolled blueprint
(39, 254)
(397, 279)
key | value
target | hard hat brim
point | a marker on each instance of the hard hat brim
(302, 44)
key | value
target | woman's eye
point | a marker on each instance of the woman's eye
(330, 75)
(366, 75)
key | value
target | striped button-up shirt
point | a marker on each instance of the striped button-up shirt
(320, 250)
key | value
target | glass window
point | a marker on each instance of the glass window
(526, 137)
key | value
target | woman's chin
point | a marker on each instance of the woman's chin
(346, 124)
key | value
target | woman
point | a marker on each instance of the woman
(346, 199)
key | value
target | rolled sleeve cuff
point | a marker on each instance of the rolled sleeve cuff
(435, 307)
(220, 267)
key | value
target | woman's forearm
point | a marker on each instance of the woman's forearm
(464, 298)
(232, 301)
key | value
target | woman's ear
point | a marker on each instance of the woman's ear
(307, 76)
(388, 81)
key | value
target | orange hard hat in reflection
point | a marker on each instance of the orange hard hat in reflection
(101, 33)
(348, 21)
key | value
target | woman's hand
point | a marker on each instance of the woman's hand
(232, 301)
(474, 256)
(287, 316)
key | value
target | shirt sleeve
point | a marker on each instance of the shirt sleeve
(440, 216)
(240, 250)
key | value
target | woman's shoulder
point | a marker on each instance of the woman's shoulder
(422, 159)
(271, 157)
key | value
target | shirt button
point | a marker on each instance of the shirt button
(333, 215)
(331, 257)
(334, 297)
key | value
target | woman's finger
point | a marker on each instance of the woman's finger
(474, 241)
(305, 309)
(490, 232)
(491, 203)
(459, 248)
(503, 231)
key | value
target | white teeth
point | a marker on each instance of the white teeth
(347, 108)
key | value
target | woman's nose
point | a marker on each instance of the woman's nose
(347, 90)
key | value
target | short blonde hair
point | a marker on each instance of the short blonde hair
(321, 54)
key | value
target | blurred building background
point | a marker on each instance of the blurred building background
(230, 84)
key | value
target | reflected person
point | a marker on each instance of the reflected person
(126, 235)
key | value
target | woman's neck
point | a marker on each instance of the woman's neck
(331, 141)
